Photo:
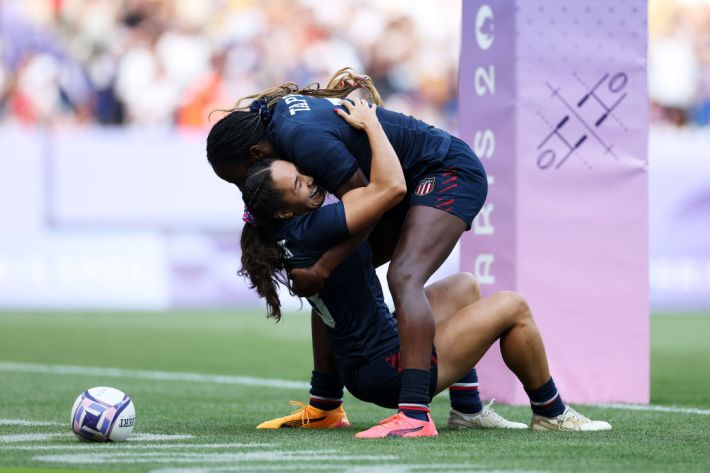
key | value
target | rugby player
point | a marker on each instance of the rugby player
(289, 227)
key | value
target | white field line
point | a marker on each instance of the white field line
(28, 423)
(651, 408)
(13, 367)
(369, 468)
(44, 436)
(152, 375)
(147, 437)
(37, 437)
(202, 458)
(252, 468)
(413, 468)
(400, 468)
(116, 447)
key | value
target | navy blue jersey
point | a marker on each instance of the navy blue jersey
(351, 304)
(306, 131)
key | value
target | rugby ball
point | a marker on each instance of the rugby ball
(103, 414)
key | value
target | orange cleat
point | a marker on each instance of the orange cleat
(309, 417)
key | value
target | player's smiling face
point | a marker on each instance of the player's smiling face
(299, 191)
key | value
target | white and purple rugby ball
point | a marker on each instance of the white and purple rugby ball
(103, 414)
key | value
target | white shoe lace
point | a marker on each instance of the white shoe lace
(490, 413)
(575, 417)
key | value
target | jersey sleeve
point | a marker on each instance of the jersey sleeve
(316, 233)
(326, 227)
(323, 156)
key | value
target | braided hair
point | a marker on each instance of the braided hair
(262, 258)
(229, 141)
(231, 138)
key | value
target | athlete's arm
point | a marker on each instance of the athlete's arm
(306, 282)
(364, 206)
(309, 281)
(386, 185)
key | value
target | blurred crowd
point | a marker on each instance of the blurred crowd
(679, 61)
(172, 62)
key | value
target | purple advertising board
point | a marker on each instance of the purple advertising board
(553, 99)
(679, 224)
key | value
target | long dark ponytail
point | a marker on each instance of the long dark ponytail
(262, 258)
(231, 138)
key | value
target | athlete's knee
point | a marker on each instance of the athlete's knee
(470, 285)
(518, 306)
(404, 277)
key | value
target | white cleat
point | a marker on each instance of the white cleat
(569, 420)
(487, 418)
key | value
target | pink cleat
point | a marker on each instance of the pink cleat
(399, 425)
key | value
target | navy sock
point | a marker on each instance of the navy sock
(545, 400)
(464, 394)
(414, 394)
(326, 390)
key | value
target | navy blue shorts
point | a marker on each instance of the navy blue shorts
(458, 187)
(379, 382)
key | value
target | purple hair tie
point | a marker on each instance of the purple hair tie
(262, 107)
(248, 217)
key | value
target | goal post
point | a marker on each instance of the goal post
(553, 100)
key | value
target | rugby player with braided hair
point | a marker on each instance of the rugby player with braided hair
(446, 187)
(288, 227)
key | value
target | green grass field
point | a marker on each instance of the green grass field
(207, 422)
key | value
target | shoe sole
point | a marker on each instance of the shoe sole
(540, 428)
(388, 436)
(461, 425)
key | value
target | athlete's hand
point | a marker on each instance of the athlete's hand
(359, 115)
(307, 282)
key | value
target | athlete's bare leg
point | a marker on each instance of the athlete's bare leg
(428, 236)
(463, 338)
(447, 296)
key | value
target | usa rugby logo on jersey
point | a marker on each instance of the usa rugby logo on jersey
(425, 186)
